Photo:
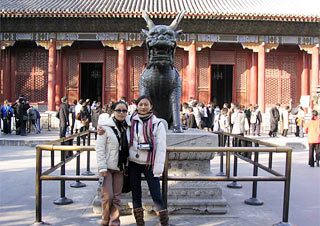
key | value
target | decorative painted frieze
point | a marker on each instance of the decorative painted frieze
(114, 36)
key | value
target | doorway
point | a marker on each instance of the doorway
(91, 81)
(221, 84)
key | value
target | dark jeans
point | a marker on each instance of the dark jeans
(313, 148)
(23, 128)
(255, 129)
(135, 171)
(6, 125)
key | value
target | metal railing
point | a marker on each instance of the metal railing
(242, 148)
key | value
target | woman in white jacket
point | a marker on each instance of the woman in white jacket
(147, 155)
(112, 153)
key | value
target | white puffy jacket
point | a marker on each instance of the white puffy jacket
(160, 142)
(107, 147)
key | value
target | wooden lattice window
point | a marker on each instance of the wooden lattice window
(111, 67)
(203, 76)
(32, 74)
(241, 77)
(281, 79)
(72, 72)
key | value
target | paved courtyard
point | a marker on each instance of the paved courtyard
(17, 191)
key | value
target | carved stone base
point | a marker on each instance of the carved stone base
(184, 197)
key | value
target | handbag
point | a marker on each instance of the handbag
(126, 188)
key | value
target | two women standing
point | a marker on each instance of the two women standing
(142, 140)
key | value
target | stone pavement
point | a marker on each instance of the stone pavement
(17, 190)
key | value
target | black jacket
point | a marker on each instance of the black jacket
(64, 115)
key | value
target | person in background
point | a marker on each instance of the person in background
(274, 119)
(147, 154)
(217, 113)
(112, 155)
(247, 112)
(32, 119)
(238, 121)
(6, 115)
(77, 110)
(95, 116)
(285, 120)
(300, 122)
(72, 111)
(132, 107)
(197, 114)
(104, 114)
(191, 119)
(255, 120)
(63, 116)
(312, 128)
(85, 117)
(22, 114)
(37, 122)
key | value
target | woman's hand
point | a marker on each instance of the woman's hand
(100, 130)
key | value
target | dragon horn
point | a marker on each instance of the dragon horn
(176, 21)
(148, 20)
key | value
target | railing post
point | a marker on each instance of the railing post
(39, 188)
(77, 183)
(63, 200)
(270, 160)
(235, 184)
(165, 182)
(88, 172)
(253, 200)
(285, 214)
(52, 158)
(221, 144)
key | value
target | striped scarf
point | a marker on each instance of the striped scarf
(147, 130)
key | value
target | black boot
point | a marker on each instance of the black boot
(164, 217)
(138, 215)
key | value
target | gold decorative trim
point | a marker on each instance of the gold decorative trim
(184, 45)
(131, 44)
(44, 44)
(5, 44)
(61, 44)
(254, 46)
(112, 44)
(308, 48)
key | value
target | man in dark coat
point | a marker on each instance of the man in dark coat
(274, 119)
(63, 116)
(22, 115)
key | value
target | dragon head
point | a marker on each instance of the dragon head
(161, 41)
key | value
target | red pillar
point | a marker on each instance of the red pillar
(192, 70)
(315, 68)
(52, 76)
(58, 95)
(261, 78)
(122, 79)
(6, 77)
(253, 90)
(305, 75)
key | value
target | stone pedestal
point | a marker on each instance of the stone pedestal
(185, 197)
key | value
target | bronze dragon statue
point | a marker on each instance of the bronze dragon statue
(160, 80)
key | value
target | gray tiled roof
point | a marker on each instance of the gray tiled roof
(283, 10)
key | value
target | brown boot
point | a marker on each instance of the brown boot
(138, 215)
(164, 217)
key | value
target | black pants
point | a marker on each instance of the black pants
(23, 128)
(6, 125)
(313, 148)
(135, 171)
